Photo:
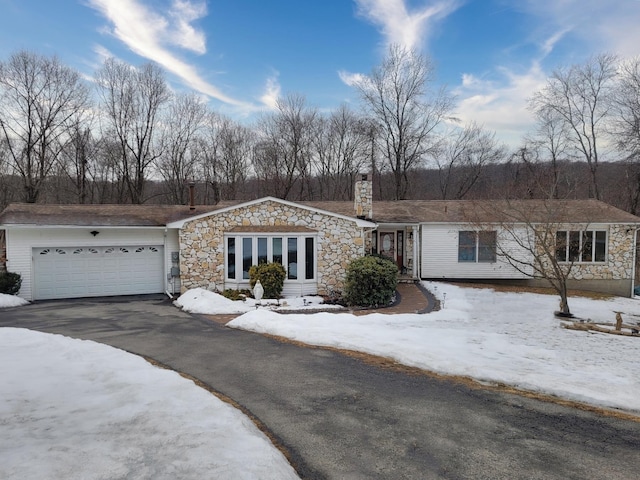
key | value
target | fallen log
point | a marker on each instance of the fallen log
(633, 330)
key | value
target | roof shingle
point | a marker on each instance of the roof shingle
(401, 211)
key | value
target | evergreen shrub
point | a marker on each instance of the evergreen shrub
(10, 283)
(371, 281)
(233, 294)
(271, 276)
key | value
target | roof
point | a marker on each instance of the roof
(400, 211)
(493, 211)
(101, 214)
(349, 213)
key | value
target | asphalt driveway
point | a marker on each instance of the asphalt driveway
(340, 418)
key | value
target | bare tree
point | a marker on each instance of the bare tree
(283, 155)
(341, 151)
(185, 121)
(38, 97)
(225, 150)
(532, 237)
(580, 97)
(397, 97)
(6, 178)
(132, 103)
(626, 127)
(78, 158)
(463, 159)
(546, 151)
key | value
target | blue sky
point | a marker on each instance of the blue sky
(243, 54)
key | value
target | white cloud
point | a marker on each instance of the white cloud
(398, 25)
(549, 44)
(500, 105)
(271, 93)
(602, 26)
(351, 79)
(185, 35)
(147, 33)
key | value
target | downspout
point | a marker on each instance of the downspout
(166, 270)
(416, 251)
(633, 265)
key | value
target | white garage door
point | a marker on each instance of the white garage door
(71, 272)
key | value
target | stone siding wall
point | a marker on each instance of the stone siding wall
(619, 261)
(620, 257)
(202, 243)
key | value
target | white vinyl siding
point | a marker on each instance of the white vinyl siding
(440, 256)
(22, 241)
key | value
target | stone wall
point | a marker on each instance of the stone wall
(620, 258)
(615, 275)
(339, 240)
(363, 198)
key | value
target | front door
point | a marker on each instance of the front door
(388, 245)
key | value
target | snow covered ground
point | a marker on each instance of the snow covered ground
(11, 301)
(510, 338)
(199, 300)
(75, 409)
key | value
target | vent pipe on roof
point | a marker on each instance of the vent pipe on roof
(192, 195)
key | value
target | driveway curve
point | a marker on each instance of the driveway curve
(340, 418)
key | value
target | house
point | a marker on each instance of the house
(66, 251)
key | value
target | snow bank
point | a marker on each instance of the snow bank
(77, 409)
(510, 338)
(199, 300)
(11, 301)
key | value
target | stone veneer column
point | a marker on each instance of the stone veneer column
(364, 197)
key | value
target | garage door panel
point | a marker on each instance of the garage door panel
(97, 271)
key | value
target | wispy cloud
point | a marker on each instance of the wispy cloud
(151, 34)
(500, 105)
(271, 93)
(351, 79)
(184, 34)
(581, 27)
(401, 26)
(600, 26)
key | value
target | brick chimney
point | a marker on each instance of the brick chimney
(364, 197)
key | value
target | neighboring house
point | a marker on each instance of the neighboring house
(66, 251)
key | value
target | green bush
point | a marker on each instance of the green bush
(233, 294)
(271, 276)
(371, 281)
(10, 283)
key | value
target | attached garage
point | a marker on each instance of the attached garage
(72, 272)
(75, 251)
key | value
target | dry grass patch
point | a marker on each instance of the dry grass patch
(499, 287)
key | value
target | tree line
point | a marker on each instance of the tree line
(125, 137)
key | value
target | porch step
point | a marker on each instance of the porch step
(407, 279)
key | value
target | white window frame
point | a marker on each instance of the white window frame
(581, 237)
(476, 246)
(301, 254)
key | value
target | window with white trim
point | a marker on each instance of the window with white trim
(477, 247)
(297, 253)
(585, 246)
